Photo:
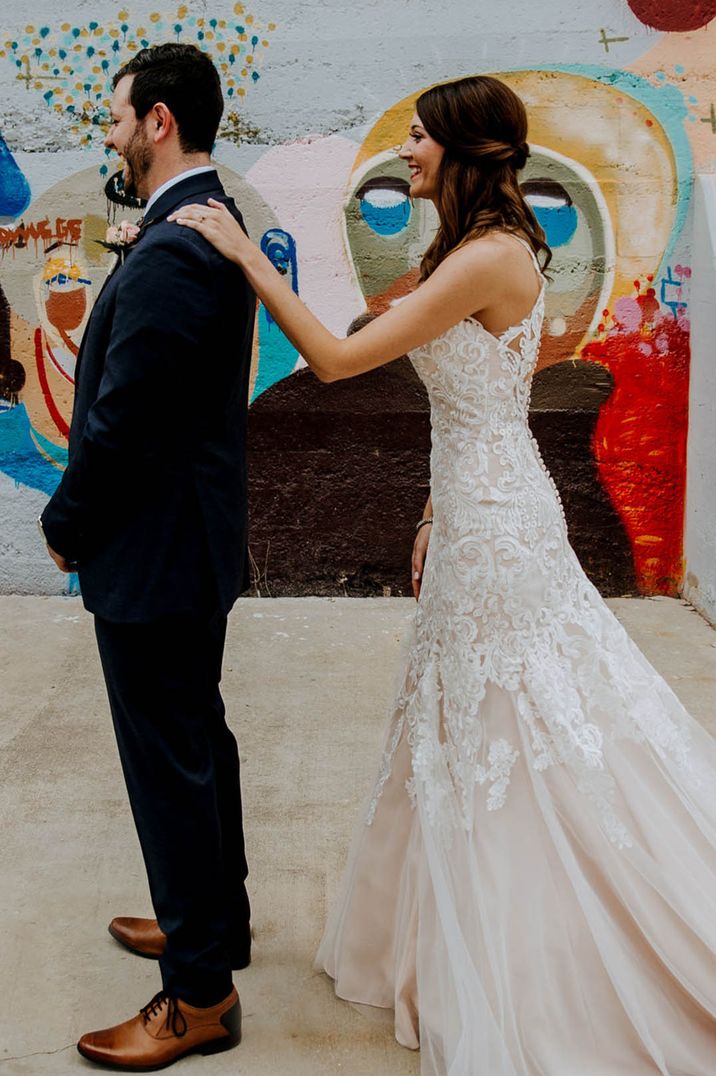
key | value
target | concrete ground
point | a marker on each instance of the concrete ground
(307, 682)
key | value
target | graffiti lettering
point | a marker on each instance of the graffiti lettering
(64, 231)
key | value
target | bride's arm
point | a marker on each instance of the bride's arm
(462, 285)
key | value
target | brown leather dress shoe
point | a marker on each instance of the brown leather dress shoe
(141, 936)
(163, 1031)
(145, 938)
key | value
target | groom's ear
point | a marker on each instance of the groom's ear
(161, 122)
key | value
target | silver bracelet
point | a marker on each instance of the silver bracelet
(422, 523)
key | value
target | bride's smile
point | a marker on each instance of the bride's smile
(423, 156)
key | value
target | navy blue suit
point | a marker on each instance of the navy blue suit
(154, 499)
(153, 508)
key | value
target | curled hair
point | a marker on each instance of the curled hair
(482, 125)
(184, 79)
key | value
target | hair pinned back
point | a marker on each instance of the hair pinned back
(482, 125)
(522, 152)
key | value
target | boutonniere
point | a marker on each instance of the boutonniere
(120, 238)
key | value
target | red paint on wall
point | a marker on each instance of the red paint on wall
(675, 15)
(640, 438)
(52, 407)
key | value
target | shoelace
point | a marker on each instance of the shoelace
(175, 1018)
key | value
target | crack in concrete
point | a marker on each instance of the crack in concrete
(38, 1053)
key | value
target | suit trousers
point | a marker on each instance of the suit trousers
(182, 771)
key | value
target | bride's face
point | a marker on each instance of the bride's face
(423, 155)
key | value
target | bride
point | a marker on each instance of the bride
(533, 889)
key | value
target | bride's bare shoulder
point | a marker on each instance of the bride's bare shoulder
(492, 250)
(494, 269)
(482, 258)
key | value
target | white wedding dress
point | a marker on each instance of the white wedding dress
(533, 889)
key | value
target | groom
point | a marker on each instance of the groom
(152, 510)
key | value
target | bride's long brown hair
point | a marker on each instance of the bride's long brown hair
(482, 125)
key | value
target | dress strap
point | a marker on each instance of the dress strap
(530, 251)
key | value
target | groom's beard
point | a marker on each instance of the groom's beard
(137, 163)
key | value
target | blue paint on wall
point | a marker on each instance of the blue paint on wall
(14, 188)
(386, 212)
(277, 355)
(279, 247)
(21, 450)
(558, 222)
(72, 586)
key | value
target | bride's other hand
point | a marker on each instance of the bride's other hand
(219, 227)
(420, 549)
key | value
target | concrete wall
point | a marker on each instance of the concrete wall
(620, 96)
(700, 542)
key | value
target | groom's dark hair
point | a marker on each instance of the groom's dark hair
(184, 79)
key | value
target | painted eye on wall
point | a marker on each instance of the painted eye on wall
(553, 207)
(385, 204)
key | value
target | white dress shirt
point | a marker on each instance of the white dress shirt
(176, 179)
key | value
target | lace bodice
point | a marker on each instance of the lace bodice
(504, 600)
(499, 550)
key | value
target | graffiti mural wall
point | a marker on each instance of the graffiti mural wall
(621, 100)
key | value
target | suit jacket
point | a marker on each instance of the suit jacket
(153, 503)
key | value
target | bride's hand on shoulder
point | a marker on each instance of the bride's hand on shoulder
(219, 227)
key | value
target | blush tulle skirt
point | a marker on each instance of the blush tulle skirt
(565, 929)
